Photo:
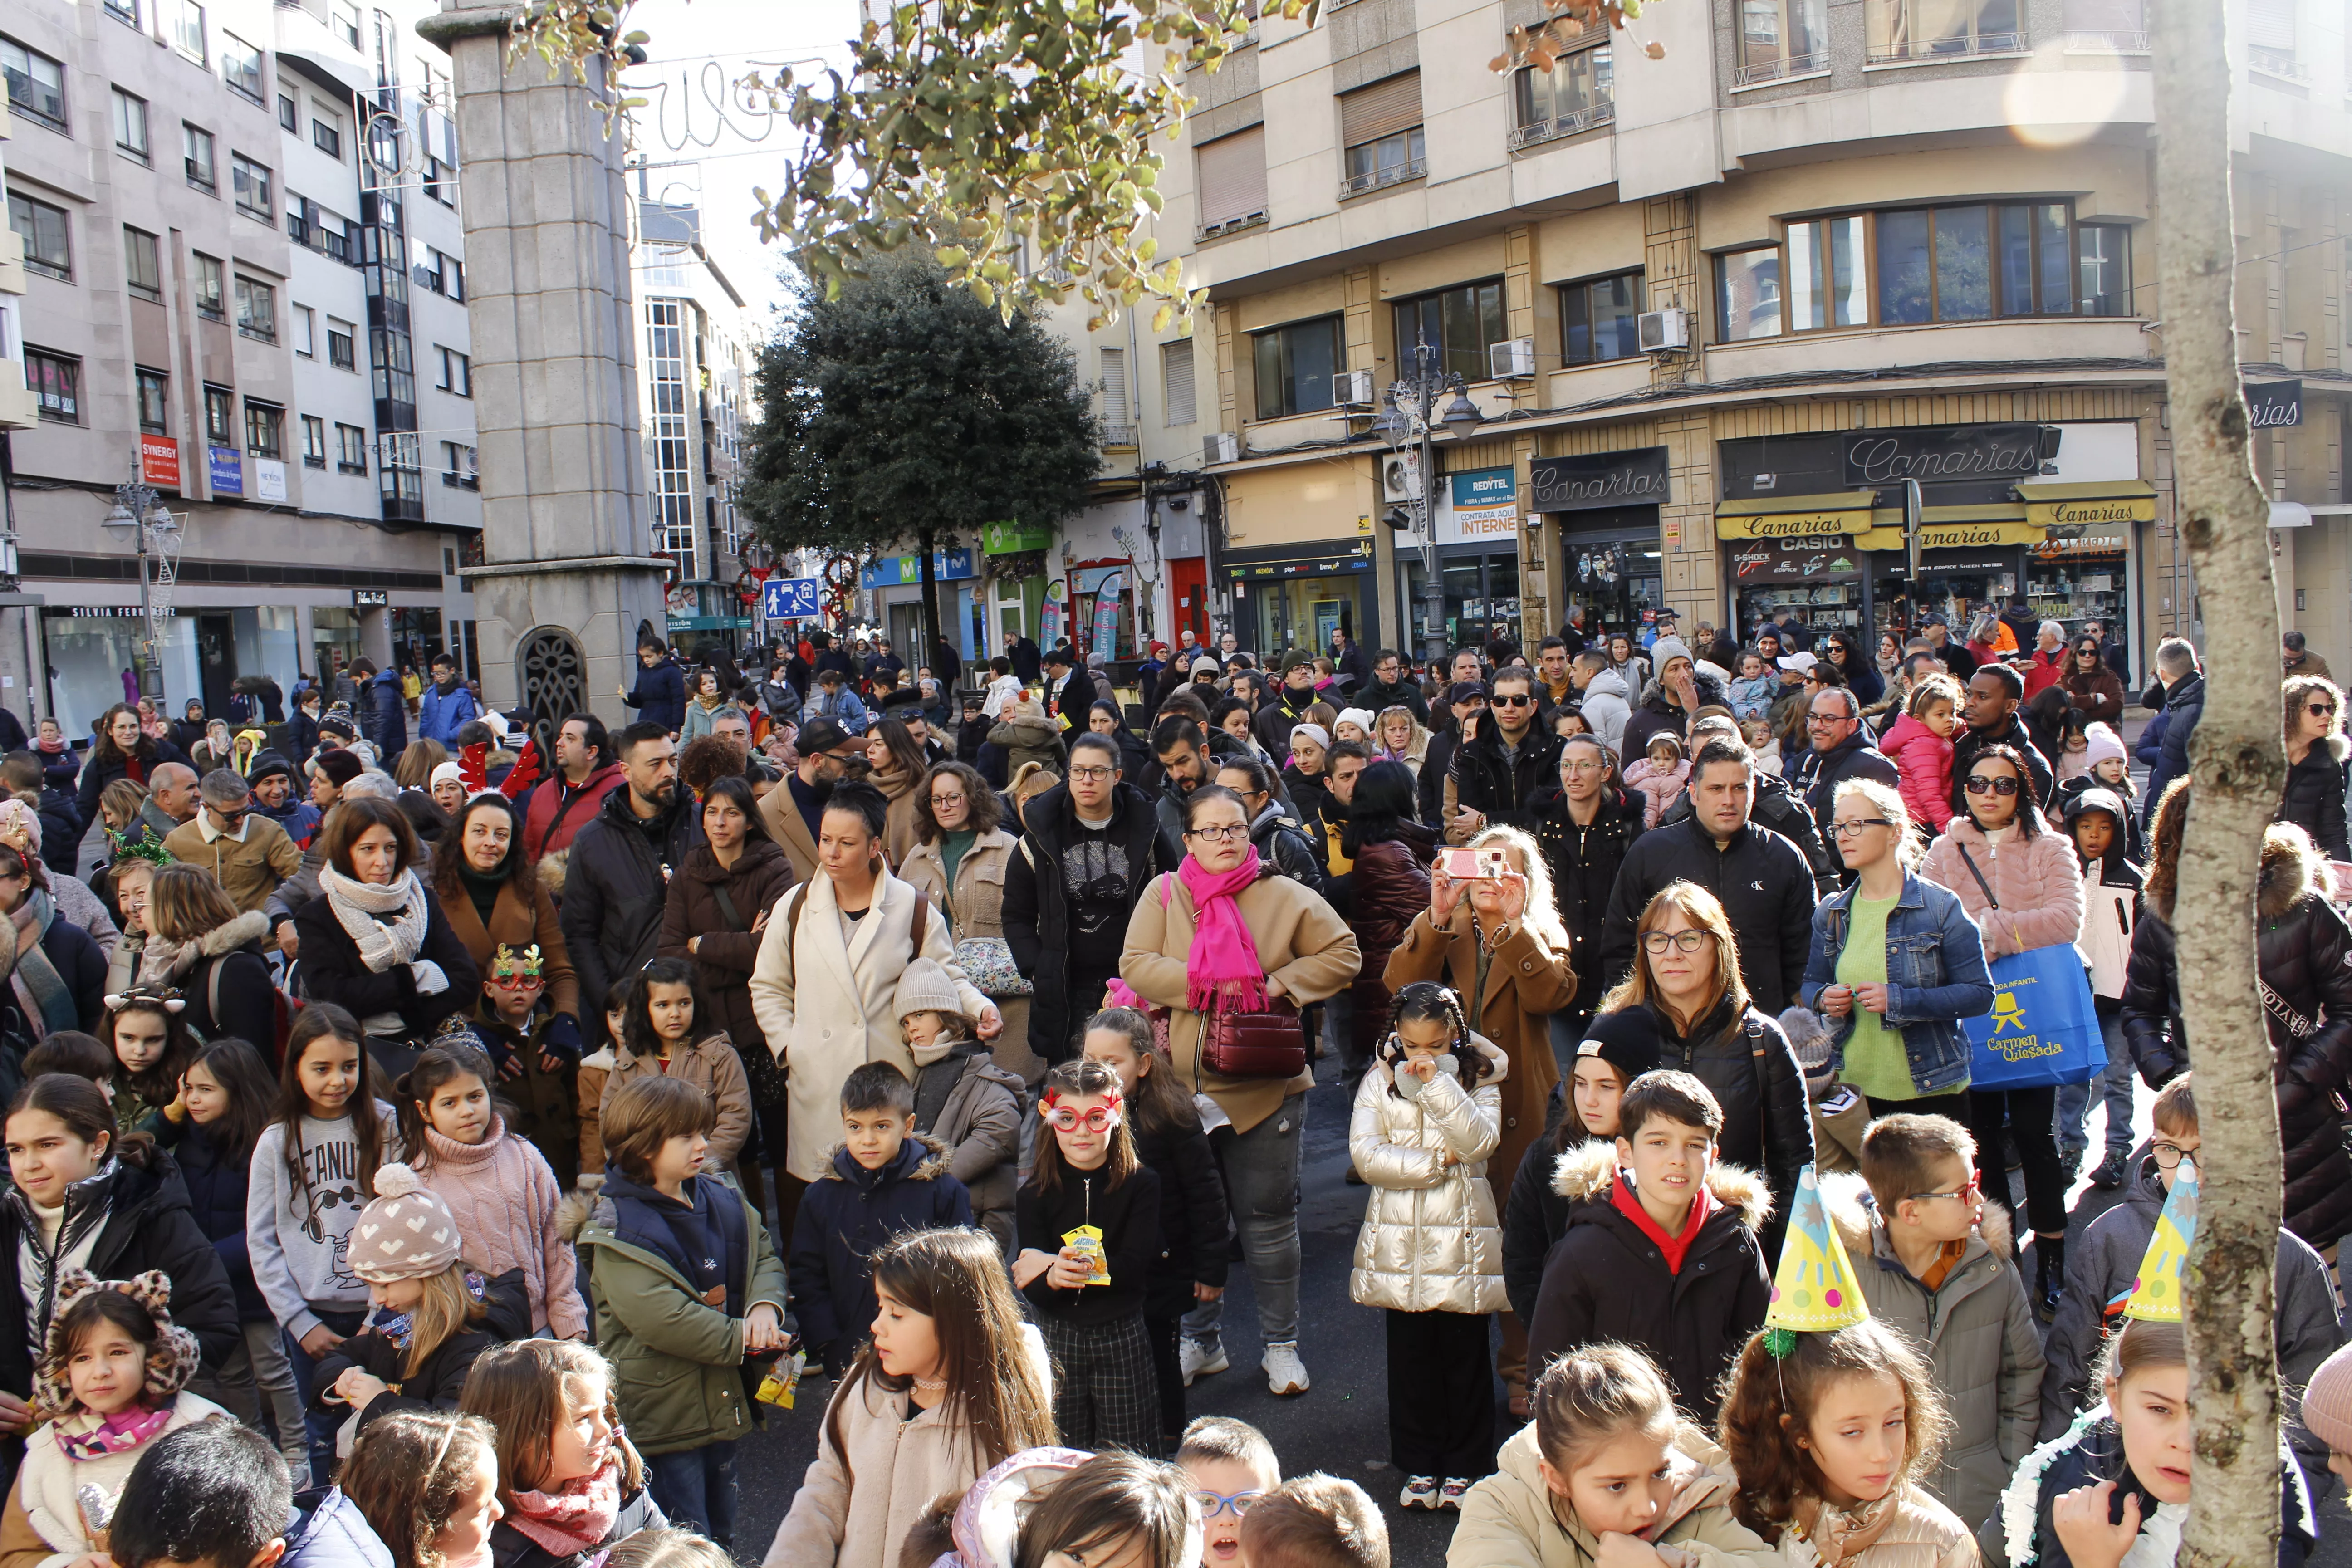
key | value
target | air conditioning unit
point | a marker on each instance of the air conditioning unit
(1514, 359)
(1352, 389)
(1663, 330)
(1400, 477)
(1223, 446)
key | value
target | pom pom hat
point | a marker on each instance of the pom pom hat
(407, 1233)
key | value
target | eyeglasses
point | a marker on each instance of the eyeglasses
(1502, 702)
(1972, 1188)
(941, 800)
(1067, 1119)
(1584, 767)
(1852, 825)
(1214, 1503)
(2169, 1154)
(1984, 785)
(517, 981)
(1226, 835)
(1686, 941)
(1825, 720)
(1093, 774)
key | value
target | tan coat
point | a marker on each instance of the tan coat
(1511, 1520)
(524, 914)
(1918, 1532)
(248, 872)
(897, 1466)
(1528, 980)
(976, 909)
(1430, 1242)
(788, 827)
(1300, 942)
(710, 1065)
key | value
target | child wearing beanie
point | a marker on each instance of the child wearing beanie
(2327, 1411)
(432, 1313)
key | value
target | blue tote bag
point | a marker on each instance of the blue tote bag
(2043, 1028)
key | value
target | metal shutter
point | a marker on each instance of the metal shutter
(1380, 109)
(2270, 25)
(1232, 175)
(1176, 377)
(1114, 384)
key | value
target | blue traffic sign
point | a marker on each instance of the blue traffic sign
(786, 598)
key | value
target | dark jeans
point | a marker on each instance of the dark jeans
(322, 1428)
(696, 1488)
(1954, 1106)
(2029, 1112)
(1440, 1394)
(1168, 1372)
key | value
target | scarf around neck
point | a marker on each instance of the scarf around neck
(40, 990)
(161, 961)
(1675, 1247)
(386, 923)
(1222, 969)
(87, 1436)
(574, 1517)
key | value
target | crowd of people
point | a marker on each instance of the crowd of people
(448, 1149)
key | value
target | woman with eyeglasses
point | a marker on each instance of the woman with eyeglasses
(962, 850)
(1225, 930)
(1896, 964)
(2316, 763)
(2021, 882)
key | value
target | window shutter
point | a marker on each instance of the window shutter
(2270, 25)
(1232, 175)
(1113, 375)
(1380, 109)
(1179, 393)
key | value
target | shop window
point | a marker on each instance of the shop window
(37, 84)
(1828, 275)
(1576, 94)
(257, 310)
(196, 158)
(49, 244)
(130, 125)
(241, 66)
(314, 441)
(1747, 294)
(1781, 39)
(265, 429)
(2104, 249)
(1902, 30)
(1460, 323)
(143, 263)
(211, 289)
(56, 384)
(154, 402)
(1598, 319)
(220, 416)
(1295, 366)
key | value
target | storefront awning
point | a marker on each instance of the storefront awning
(1317, 558)
(1953, 527)
(2104, 503)
(1794, 517)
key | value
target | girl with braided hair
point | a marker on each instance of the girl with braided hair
(1427, 1116)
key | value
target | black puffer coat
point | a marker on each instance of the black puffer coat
(615, 888)
(2314, 799)
(1784, 810)
(1504, 792)
(1656, 710)
(1764, 885)
(2305, 954)
(1583, 863)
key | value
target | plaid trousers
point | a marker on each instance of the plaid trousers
(1105, 1394)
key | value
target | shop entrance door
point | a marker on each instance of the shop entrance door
(1614, 568)
(1187, 593)
(217, 659)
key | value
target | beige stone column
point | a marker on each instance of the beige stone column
(565, 527)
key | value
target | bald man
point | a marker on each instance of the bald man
(171, 798)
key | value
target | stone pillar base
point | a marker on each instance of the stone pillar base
(525, 612)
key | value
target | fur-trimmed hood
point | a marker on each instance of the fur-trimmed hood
(1855, 1214)
(928, 1167)
(252, 926)
(1585, 1174)
(2293, 868)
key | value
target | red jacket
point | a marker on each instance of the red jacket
(2046, 671)
(558, 810)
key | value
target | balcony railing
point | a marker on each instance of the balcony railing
(1119, 436)
(1776, 70)
(2106, 41)
(1949, 48)
(1588, 119)
(1223, 227)
(2276, 62)
(1378, 179)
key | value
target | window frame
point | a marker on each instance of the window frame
(211, 287)
(150, 288)
(326, 134)
(1413, 165)
(289, 114)
(59, 407)
(234, 70)
(1283, 336)
(154, 400)
(302, 322)
(349, 358)
(250, 289)
(1474, 288)
(125, 105)
(1565, 292)
(36, 260)
(125, 12)
(265, 419)
(454, 475)
(1528, 129)
(457, 376)
(200, 49)
(2123, 231)
(61, 121)
(1976, 43)
(345, 445)
(242, 183)
(1789, 66)
(192, 136)
(314, 441)
(220, 415)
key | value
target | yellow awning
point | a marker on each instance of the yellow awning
(2100, 503)
(1954, 528)
(1794, 517)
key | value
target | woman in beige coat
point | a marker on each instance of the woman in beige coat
(1296, 948)
(957, 862)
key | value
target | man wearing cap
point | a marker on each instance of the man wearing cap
(793, 811)
(1498, 773)
(1286, 708)
(273, 797)
(1678, 692)
(1955, 654)
(248, 854)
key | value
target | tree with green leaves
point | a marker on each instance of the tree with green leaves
(903, 412)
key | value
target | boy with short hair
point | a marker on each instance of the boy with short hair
(2101, 1268)
(886, 1178)
(1933, 1260)
(1662, 1250)
(1231, 1461)
(1315, 1522)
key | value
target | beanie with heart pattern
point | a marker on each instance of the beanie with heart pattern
(407, 1233)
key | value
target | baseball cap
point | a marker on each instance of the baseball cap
(1802, 663)
(820, 735)
(1463, 690)
(1934, 618)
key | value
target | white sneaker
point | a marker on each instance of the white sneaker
(1450, 1495)
(1200, 1361)
(1420, 1491)
(1284, 1373)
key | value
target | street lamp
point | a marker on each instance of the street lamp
(1412, 414)
(139, 519)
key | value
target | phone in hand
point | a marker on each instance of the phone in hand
(1474, 864)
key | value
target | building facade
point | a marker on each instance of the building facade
(246, 287)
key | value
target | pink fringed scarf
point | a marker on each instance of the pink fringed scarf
(1223, 968)
(575, 1517)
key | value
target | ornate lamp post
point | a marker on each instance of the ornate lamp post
(1411, 414)
(139, 518)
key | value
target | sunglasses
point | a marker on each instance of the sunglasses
(1515, 702)
(1983, 784)
(1066, 1119)
(2322, 709)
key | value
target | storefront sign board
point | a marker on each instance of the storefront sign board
(1954, 535)
(159, 461)
(1598, 479)
(1482, 504)
(2275, 404)
(1013, 538)
(2089, 505)
(1809, 560)
(1740, 522)
(268, 479)
(227, 467)
(893, 570)
(1946, 454)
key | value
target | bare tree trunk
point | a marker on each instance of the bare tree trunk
(2238, 764)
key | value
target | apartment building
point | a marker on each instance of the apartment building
(245, 288)
(1712, 308)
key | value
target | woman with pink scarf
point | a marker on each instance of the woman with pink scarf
(1226, 930)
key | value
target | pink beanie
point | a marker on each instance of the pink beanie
(408, 1233)
(2327, 1402)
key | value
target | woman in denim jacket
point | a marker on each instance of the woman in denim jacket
(1898, 1002)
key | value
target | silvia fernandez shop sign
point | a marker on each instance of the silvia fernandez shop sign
(1945, 453)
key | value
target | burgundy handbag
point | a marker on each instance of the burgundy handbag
(1263, 1043)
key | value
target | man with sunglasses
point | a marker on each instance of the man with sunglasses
(794, 814)
(246, 852)
(1498, 773)
(1990, 708)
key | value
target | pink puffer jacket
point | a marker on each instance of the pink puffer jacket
(2038, 881)
(1924, 760)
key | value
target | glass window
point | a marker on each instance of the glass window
(326, 133)
(1937, 29)
(251, 183)
(305, 325)
(2105, 275)
(1963, 265)
(1598, 319)
(37, 84)
(265, 427)
(1576, 92)
(211, 289)
(1906, 280)
(1401, 156)
(123, 11)
(257, 310)
(314, 441)
(1295, 364)
(457, 462)
(1781, 39)
(347, 22)
(341, 349)
(130, 125)
(457, 372)
(1460, 323)
(56, 384)
(220, 416)
(154, 402)
(48, 247)
(289, 114)
(241, 66)
(1747, 294)
(1828, 275)
(188, 31)
(142, 263)
(196, 147)
(350, 449)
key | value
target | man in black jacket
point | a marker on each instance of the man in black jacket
(1286, 708)
(1775, 807)
(1353, 669)
(1993, 695)
(1760, 877)
(1841, 751)
(1510, 760)
(1090, 847)
(1391, 687)
(620, 865)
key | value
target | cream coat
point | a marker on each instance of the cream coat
(48, 1484)
(897, 1466)
(1511, 1520)
(845, 1014)
(977, 909)
(1920, 1533)
(1430, 1242)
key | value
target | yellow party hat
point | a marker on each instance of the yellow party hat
(1814, 1291)
(2156, 1293)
